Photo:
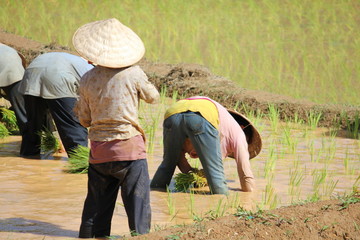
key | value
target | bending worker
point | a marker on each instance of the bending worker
(51, 83)
(205, 129)
(12, 67)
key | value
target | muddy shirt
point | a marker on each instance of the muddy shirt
(109, 102)
(11, 68)
(54, 75)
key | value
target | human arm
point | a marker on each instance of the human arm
(82, 110)
(242, 159)
(147, 91)
(183, 163)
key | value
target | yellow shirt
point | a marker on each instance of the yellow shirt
(205, 107)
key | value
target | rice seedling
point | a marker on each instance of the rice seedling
(270, 198)
(219, 210)
(289, 139)
(174, 97)
(8, 118)
(48, 142)
(270, 161)
(78, 160)
(329, 187)
(234, 200)
(313, 118)
(149, 120)
(346, 161)
(273, 116)
(4, 132)
(356, 185)
(296, 178)
(193, 179)
(170, 202)
(319, 177)
(353, 127)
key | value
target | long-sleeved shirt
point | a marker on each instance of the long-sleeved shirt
(109, 102)
(232, 138)
(54, 75)
(11, 68)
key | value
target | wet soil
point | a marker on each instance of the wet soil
(320, 220)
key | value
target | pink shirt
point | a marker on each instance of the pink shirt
(232, 142)
(118, 150)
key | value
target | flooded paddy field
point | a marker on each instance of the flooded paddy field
(298, 162)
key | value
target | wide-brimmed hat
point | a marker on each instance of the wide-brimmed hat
(108, 43)
(23, 59)
(253, 137)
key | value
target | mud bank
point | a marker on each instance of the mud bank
(193, 79)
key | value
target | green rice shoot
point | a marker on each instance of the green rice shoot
(192, 179)
(4, 132)
(9, 120)
(78, 161)
(49, 143)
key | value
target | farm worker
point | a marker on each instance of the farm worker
(203, 128)
(108, 105)
(12, 67)
(51, 83)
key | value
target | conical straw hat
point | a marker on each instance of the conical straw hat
(108, 43)
(253, 137)
(23, 59)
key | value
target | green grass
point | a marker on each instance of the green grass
(303, 48)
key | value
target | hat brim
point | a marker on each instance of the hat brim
(253, 137)
(108, 43)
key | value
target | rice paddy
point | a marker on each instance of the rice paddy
(305, 49)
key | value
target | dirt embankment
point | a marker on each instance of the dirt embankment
(193, 79)
(331, 219)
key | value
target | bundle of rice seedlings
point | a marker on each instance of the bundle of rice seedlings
(49, 143)
(78, 161)
(192, 179)
(9, 120)
(4, 132)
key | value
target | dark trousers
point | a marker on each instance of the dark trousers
(71, 132)
(17, 103)
(104, 181)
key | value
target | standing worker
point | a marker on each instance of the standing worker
(12, 67)
(203, 128)
(108, 105)
(51, 83)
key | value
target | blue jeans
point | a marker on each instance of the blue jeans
(104, 181)
(206, 141)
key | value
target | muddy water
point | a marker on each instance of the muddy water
(39, 200)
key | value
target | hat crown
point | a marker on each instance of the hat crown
(108, 43)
